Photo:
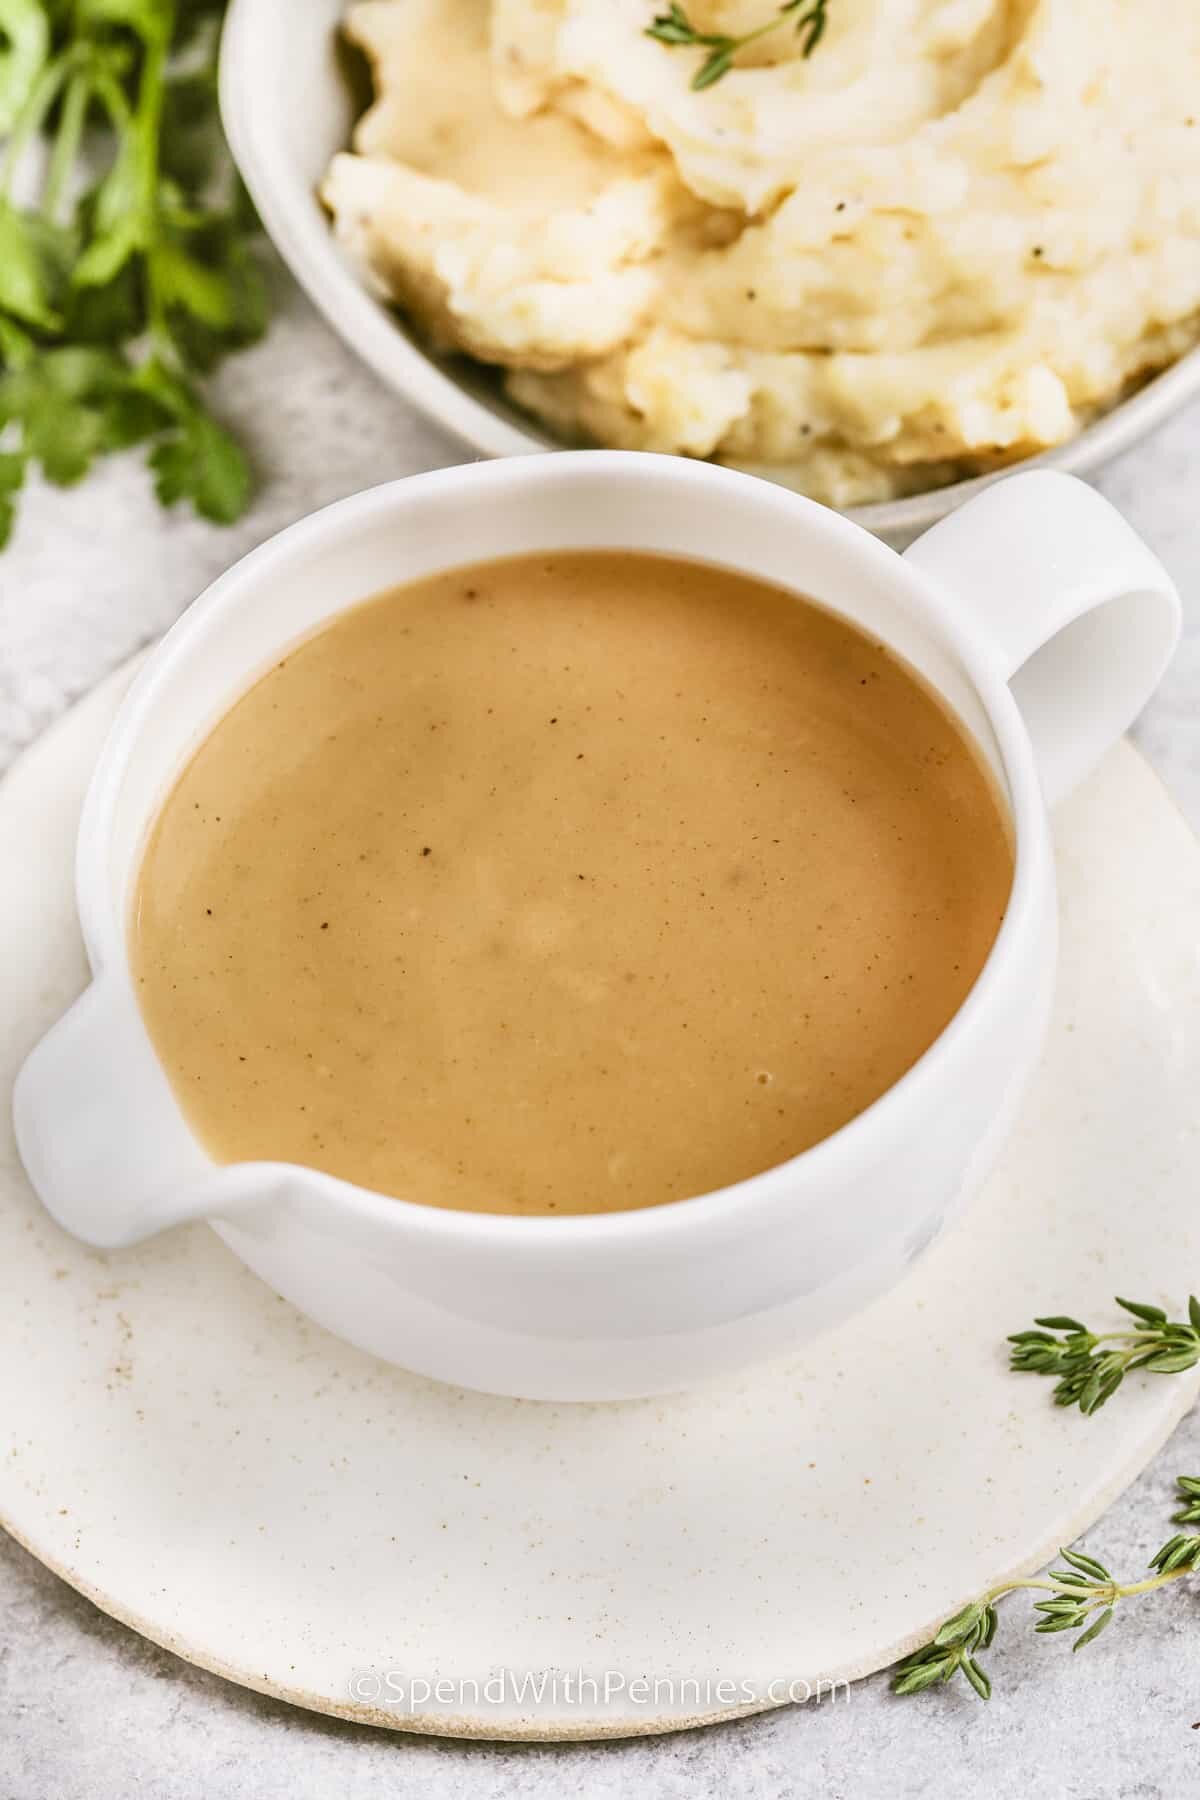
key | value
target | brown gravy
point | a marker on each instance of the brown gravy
(565, 884)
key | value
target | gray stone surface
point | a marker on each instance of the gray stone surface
(88, 1711)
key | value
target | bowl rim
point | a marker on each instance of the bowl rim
(301, 234)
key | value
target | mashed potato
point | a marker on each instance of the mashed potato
(938, 244)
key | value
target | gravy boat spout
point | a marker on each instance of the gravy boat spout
(101, 1135)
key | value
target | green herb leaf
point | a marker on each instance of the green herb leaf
(1189, 1492)
(24, 48)
(712, 69)
(1150, 1315)
(958, 1627)
(1172, 1362)
(912, 1680)
(1087, 1565)
(672, 27)
(201, 462)
(24, 283)
(12, 476)
(977, 1678)
(181, 280)
(675, 29)
(151, 19)
(1094, 1629)
(16, 345)
(112, 312)
(116, 294)
(1178, 1552)
(190, 147)
(67, 403)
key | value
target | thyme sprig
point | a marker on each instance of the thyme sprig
(675, 28)
(1189, 1493)
(1091, 1366)
(1081, 1597)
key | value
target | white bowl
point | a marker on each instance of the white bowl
(288, 101)
(1062, 597)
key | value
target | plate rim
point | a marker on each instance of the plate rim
(479, 1729)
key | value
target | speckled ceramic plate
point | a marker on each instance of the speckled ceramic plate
(223, 1476)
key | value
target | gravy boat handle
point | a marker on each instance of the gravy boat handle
(100, 1132)
(1079, 613)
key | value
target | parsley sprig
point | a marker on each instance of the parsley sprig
(127, 267)
(675, 28)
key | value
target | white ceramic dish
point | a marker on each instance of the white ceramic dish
(222, 1475)
(1061, 597)
(288, 104)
